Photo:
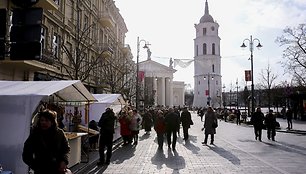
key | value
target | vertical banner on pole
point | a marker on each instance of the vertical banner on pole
(247, 75)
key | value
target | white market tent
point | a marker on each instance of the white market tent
(114, 101)
(18, 101)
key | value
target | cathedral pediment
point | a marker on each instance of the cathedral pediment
(150, 66)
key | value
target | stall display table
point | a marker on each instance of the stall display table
(75, 143)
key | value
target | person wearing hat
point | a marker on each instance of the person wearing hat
(46, 149)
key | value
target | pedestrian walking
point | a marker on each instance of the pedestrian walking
(160, 128)
(257, 121)
(147, 121)
(186, 122)
(106, 124)
(270, 122)
(125, 131)
(46, 149)
(289, 118)
(210, 125)
(201, 113)
(135, 125)
(172, 121)
(238, 114)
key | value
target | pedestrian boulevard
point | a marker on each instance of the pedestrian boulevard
(235, 151)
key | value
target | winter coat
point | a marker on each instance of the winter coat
(136, 123)
(172, 121)
(107, 122)
(124, 126)
(210, 119)
(270, 121)
(257, 119)
(44, 150)
(186, 119)
(160, 126)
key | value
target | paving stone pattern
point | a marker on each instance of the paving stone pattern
(235, 151)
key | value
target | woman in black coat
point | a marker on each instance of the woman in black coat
(257, 121)
(46, 149)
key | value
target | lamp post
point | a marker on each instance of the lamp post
(237, 87)
(208, 86)
(137, 69)
(251, 47)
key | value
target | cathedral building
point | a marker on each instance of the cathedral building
(207, 63)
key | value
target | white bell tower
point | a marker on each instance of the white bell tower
(207, 63)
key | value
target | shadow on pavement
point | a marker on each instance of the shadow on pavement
(225, 154)
(144, 136)
(190, 146)
(123, 153)
(287, 147)
(173, 160)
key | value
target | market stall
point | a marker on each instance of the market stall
(114, 101)
(19, 100)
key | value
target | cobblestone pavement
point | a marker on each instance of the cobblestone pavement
(235, 151)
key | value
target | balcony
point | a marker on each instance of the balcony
(126, 49)
(105, 50)
(107, 20)
(48, 4)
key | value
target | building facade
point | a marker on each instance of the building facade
(207, 62)
(157, 87)
(80, 40)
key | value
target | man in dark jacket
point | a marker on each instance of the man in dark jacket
(186, 122)
(257, 121)
(270, 122)
(106, 124)
(172, 121)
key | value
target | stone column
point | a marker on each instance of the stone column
(155, 90)
(163, 91)
(170, 89)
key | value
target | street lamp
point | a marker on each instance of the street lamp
(137, 69)
(251, 46)
(208, 85)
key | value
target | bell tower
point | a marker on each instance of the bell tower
(207, 62)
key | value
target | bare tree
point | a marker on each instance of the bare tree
(267, 79)
(295, 53)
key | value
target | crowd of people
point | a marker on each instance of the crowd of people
(46, 149)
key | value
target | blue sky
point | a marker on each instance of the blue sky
(168, 25)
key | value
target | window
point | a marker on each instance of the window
(213, 68)
(199, 82)
(204, 31)
(43, 38)
(86, 22)
(57, 2)
(197, 50)
(55, 45)
(213, 49)
(204, 49)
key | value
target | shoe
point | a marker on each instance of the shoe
(107, 162)
(255, 137)
(204, 142)
(211, 143)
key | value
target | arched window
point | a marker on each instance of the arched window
(204, 49)
(204, 31)
(213, 49)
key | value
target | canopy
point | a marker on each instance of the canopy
(114, 101)
(18, 101)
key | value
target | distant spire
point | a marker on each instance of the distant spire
(206, 8)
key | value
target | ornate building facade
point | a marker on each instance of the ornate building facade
(81, 40)
(207, 62)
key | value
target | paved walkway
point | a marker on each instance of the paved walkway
(235, 151)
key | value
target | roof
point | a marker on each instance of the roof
(64, 90)
(207, 17)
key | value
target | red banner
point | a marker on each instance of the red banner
(248, 75)
(141, 75)
(207, 92)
